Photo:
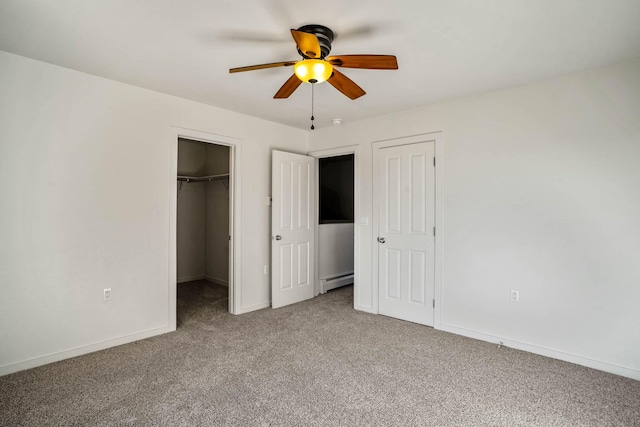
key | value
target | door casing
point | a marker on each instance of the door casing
(334, 152)
(235, 162)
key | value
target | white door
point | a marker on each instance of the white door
(406, 243)
(292, 228)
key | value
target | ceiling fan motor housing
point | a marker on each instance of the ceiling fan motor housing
(325, 38)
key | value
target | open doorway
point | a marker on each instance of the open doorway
(221, 180)
(203, 217)
(335, 221)
(337, 230)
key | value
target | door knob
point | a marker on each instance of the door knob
(278, 237)
(381, 239)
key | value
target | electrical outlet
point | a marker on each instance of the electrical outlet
(266, 269)
(106, 293)
(515, 296)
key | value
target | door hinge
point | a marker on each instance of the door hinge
(434, 303)
(434, 231)
(229, 237)
(434, 161)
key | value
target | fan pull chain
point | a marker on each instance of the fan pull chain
(312, 118)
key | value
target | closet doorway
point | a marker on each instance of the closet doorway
(205, 216)
(203, 212)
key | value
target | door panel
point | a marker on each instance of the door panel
(292, 228)
(406, 245)
(286, 264)
(285, 191)
(303, 264)
(304, 188)
(394, 274)
(417, 201)
(393, 193)
(417, 280)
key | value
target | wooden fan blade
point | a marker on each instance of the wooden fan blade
(262, 66)
(369, 62)
(345, 85)
(307, 43)
(288, 87)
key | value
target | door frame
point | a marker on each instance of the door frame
(376, 146)
(235, 162)
(334, 152)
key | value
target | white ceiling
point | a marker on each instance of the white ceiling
(445, 48)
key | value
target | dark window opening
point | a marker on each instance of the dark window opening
(336, 189)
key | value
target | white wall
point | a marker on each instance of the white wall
(191, 229)
(217, 216)
(84, 179)
(540, 194)
(335, 250)
(190, 219)
(202, 241)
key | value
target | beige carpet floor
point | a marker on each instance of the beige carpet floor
(315, 363)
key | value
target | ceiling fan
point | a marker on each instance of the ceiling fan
(314, 44)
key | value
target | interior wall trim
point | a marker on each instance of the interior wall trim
(82, 350)
(543, 351)
(191, 278)
(235, 214)
(438, 138)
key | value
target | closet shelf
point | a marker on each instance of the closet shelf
(202, 178)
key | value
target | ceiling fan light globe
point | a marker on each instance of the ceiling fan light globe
(301, 72)
(309, 70)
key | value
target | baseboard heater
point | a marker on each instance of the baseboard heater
(329, 283)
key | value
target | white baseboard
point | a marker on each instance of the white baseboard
(335, 282)
(203, 277)
(190, 278)
(217, 280)
(543, 351)
(79, 351)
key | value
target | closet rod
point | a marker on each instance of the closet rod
(202, 178)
